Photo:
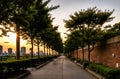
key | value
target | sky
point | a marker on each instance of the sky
(68, 7)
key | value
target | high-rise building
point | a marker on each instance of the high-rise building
(23, 50)
(10, 51)
(1, 49)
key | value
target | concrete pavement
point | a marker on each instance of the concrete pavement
(60, 68)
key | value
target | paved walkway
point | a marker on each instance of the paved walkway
(60, 68)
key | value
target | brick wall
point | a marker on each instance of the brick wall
(107, 52)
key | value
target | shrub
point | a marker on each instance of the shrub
(108, 72)
(72, 58)
(14, 65)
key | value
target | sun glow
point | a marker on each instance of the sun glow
(12, 41)
(12, 37)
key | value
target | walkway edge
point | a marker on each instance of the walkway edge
(23, 75)
(28, 72)
(42, 65)
(92, 73)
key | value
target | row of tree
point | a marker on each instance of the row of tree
(31, 20)
(88, 27)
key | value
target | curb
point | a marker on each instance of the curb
(40, 66)
(95, 74)
(28, 72)
(98, 76)
(23, 75)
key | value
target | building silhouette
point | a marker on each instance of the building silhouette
(10, 51)
(1, 49)
(23, 50)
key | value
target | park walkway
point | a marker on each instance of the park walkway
(60, 68)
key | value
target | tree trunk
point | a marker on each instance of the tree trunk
(17, 42)
(88, 53)
(44, 49)
(38, 51)
(52, 52)
(77, 52)
(32, 48)
(49, 51)
(83, 54)
(73, 54)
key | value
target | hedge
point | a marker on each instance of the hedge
(14, 65)
(108, 72)
(72, 58)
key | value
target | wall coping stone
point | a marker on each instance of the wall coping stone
(115, 39)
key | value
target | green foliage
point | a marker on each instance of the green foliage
(111, 31)
(89, 22)
(52, 38)
(14, 65)
(72, 58)
(40, 22)
(74, 40)
(29, 18)
(82, 61)
(92, 17)
(108, 72)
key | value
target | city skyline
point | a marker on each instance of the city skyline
(11, 51)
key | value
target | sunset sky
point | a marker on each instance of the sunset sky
(67, 7)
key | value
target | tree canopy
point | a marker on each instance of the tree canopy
(89, 22)
(29, 18)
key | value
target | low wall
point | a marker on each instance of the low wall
(107, 53)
